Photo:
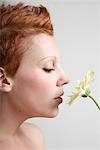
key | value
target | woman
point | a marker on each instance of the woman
(31, 78)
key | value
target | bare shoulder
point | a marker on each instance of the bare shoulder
(31, 128)
(35, 134)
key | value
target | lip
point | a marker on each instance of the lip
(59, 100)
(59, 94)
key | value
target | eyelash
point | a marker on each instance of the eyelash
(48, 70)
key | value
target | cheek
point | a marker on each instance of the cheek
(41, 85)
(33, 94)
(34, 86)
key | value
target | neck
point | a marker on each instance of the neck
(10, 119)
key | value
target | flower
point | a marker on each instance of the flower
(82, 90)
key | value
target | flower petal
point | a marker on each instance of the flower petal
(82, 89)
(74, 95)
(90, 76)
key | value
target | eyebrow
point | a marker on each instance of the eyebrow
(48, 57)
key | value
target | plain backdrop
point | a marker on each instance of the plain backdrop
(77, 33)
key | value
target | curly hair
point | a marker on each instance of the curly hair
(16, 23)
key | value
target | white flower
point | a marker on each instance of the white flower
(82, 90)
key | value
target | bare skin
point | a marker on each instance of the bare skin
(28, 137)
(31, 93)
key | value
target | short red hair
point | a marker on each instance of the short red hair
(16, 23)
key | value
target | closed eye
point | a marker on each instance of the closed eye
(48, 70)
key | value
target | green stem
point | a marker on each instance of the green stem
(95, 102)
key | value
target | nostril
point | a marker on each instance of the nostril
(66, 82)
(62, 81)
(66, 79)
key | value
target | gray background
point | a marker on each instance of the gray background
(77, 33)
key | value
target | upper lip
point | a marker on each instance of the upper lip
(60, 94)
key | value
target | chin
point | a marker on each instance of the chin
(52, 114)
(48, 114)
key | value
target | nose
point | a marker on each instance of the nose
(63, 79)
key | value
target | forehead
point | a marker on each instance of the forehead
(41, 46)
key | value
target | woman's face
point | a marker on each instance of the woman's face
(39, 78)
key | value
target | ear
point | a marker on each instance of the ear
(6, 83)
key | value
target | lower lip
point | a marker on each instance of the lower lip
(59, 100)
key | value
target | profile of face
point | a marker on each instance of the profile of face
(39, 79)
